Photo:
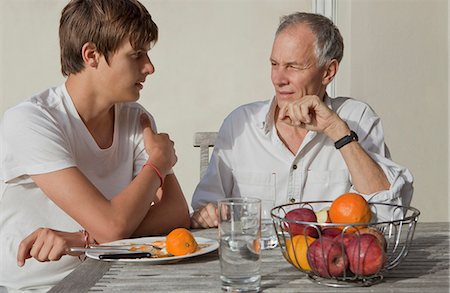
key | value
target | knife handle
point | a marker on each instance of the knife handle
(125, 255)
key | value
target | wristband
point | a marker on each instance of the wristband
(85, 237)
(346, 139)
(156, 171)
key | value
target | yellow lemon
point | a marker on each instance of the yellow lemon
(298, 252)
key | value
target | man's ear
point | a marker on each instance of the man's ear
(90, 55)
(330, 72)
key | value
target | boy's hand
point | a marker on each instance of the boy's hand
(47, 245)
(158, 146)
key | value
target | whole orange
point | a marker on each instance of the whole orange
(180, 241)
(350, 208)
(297, 249)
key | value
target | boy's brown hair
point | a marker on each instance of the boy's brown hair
(106, 23)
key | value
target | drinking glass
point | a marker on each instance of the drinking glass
(239, 250)
(269, 238)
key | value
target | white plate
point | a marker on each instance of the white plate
(210, 245)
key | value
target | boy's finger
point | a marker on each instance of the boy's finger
(145, 123)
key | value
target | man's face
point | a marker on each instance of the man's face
(122, 80)
(294, 66)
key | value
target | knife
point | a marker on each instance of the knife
(98, 249)
(125, 255)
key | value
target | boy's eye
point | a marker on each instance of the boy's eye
(137, 54)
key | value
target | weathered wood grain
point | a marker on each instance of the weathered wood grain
(425, 269)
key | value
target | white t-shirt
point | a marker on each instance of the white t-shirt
(45, 134)
(249, 159)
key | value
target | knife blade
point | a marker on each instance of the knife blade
(98, 249)
(125, 255)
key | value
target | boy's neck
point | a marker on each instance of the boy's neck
(89, 103)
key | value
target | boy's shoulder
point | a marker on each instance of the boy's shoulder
(46, 100)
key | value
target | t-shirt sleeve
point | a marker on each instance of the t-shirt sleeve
(31, 143)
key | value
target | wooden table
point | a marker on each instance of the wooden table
(425, 269)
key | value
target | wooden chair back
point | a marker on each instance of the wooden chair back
(204, 141)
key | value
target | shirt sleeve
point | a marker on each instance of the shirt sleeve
(371, 138)
(31, 143)
(217, 182)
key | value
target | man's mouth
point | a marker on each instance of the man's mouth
(285, 94)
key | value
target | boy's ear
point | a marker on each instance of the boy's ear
(330, 72)
(89, 54)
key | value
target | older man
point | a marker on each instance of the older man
(301, 145)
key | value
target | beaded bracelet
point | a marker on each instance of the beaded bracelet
(86, 238)
(157, 172)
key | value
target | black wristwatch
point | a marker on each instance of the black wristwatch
(346, 139)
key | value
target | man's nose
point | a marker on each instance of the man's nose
(279, 77)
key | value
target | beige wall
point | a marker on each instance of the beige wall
(397, 60)
(213, 56)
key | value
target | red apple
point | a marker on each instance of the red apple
(374, 231)
(331, 232)
(302, 215)
(344, 239)
(326, 258)
(366, 255)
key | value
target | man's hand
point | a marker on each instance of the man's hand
(47, 245)
(311, 113)
(205, 217)
(159, 147)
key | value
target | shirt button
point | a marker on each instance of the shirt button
(294, 167)
(292, 200)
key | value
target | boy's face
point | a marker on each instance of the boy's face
(122, 79)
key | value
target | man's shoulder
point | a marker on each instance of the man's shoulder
(350, 105)
(256, 110)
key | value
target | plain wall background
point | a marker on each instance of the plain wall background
(213, 55)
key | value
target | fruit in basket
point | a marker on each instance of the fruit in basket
(302, 215)
(374, 231)
(344, 238)
(323, 216)
(331, 232)
(297, 248)
(326, 258)
(350, 208)
(366, 255)
(180, 241)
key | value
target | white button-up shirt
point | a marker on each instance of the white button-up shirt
(249, 159)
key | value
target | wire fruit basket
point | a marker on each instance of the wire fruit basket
(341, 255)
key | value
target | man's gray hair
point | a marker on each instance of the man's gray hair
(329, 44)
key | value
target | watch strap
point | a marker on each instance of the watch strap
(346, 139)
